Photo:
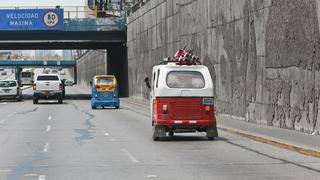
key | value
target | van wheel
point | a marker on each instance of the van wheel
(35, 101)
(212, 132)
(117, 107)
(171, 133)
(155, 136)
(19, 99)
(60, 100)
(158, 132)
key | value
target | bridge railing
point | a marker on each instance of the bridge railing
(86, 18)
(74, 11)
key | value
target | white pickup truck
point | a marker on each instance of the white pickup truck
(48, 86)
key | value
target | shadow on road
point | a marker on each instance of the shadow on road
(177, 138)
(68, 97)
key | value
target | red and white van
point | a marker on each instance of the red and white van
(181, 100)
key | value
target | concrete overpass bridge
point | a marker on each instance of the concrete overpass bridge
(75, 33)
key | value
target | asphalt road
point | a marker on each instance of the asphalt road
(50, 141)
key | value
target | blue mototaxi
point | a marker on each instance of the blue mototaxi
(104, 92)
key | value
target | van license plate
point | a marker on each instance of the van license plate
(106, 94)
(208, 101)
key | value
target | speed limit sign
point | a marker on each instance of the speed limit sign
(51, 19)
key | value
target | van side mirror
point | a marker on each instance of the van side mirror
(147, 81)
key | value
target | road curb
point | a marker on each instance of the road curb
(294, 148)
(277, 143)
(135, 103)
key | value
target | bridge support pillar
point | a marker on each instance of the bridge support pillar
(18, 73)
(75, 74)
(118, 66)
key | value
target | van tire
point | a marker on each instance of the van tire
(212, 132)
(171, 133)
(157, 132)
(155, 136)
(60, 99)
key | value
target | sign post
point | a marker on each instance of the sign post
(31, 19)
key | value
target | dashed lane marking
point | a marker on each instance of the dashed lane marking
(2, 121)
(48, 128)
(42, 177)
(129, 155)
(46, 147)
(152, 176)
(4, 170)
(49, 118)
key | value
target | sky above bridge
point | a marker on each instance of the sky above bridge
(42, 3)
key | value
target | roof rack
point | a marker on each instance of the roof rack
(182, 57)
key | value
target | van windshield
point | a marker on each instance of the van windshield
(26, 74)
(106, 81)
(185, 79)
(8, 84)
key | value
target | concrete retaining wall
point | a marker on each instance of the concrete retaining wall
(263, 54)
(94, 62)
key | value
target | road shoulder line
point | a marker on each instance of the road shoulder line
(259, 138)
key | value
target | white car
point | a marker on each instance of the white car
(10, 89)
(48, 86)
(68, 83)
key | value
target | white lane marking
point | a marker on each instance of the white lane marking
(129, 155)
(31, 175)
(106, 134)
(113, 140)
(4, 170)
(2, 121)
(11, 115)
(46, 147)
(48, 128)
(3, 103)
(49, 118)
(152, 176)
(42, 177)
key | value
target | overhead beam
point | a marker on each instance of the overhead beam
(37, 63)
(57, 45)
